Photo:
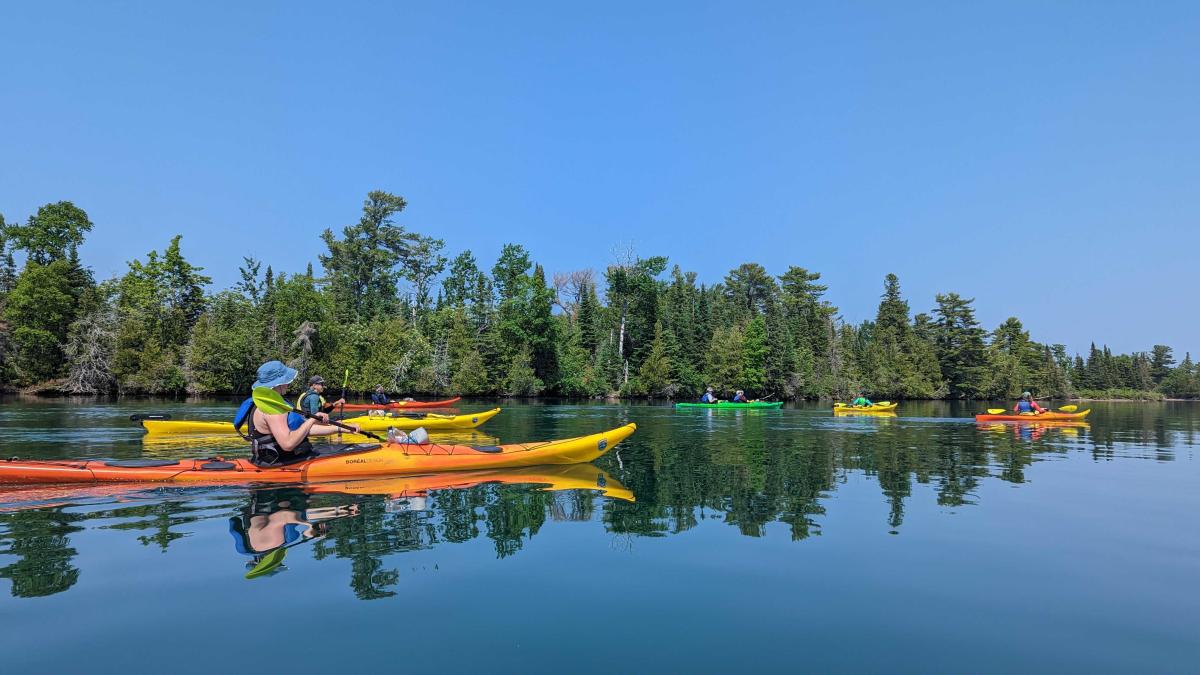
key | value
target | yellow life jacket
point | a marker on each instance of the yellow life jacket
(300, 400)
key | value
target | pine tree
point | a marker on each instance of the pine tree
(961, 351)
(893, 309)
(1161, 361)
(654, 376)
(754, 357)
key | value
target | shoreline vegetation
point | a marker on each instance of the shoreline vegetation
(389, 308)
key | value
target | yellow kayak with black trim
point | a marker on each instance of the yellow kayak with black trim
(405, 422)
(883, 407)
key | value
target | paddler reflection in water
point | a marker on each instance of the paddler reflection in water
(282, 438)
(277, 519)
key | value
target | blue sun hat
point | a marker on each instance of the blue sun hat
(273, 374)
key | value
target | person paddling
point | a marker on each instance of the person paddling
(740, 397)
(861, 402)
(280, 438)
(380, 396)
(708, 396)
(1028, 406)
(312, 401)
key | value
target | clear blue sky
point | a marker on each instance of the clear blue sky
(971, 147)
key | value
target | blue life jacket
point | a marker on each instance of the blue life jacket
(1024, 406)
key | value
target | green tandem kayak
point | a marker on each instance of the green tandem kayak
(728, 404)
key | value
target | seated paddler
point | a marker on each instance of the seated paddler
(280, 438)
(312, 401)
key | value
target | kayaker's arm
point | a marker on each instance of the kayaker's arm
(289, 439)
(329, 429)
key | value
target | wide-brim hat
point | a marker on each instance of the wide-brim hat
(273, 374)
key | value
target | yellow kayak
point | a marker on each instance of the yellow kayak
(873, 409)
(407, 422)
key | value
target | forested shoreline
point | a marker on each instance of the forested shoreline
(391, 307)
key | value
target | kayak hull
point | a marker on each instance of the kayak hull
(396, 405)
(1044, 417)
(551, 478)
(393, 459)
(430, 422)
(733, 406)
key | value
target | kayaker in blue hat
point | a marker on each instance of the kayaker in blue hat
(281, 438)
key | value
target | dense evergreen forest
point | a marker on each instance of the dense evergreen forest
(389, 306)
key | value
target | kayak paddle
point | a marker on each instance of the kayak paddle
(138, 417)
(345, 380)
(274, 558)
(268, 563)
(271, 403)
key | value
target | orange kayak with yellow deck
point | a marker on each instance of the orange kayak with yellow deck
(1044, 417)
(343, 463)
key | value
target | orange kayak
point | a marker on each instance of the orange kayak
(1044, 417)
(331, 463)
(552, 478)
(394, 405)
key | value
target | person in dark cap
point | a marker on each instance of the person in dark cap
(312, 401)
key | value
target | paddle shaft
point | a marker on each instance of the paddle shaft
(339, 425)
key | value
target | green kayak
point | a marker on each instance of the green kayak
(728, 404)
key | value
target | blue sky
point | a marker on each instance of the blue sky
(1043, 158)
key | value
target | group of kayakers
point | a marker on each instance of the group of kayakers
(1026, 405)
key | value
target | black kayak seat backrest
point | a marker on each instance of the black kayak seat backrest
(342, 449)
(487, 448)
(140, 463)
(218, 465)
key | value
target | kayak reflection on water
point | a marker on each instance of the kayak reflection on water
(277, 519)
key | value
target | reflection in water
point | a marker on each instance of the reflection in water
(40, 542)
(744, 470)
(362, 521)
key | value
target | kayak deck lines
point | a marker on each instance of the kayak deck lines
(341, 463)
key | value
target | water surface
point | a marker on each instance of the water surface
(710, 541)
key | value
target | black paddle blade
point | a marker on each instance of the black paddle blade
(148, 416)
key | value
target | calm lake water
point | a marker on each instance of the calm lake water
(711, 541)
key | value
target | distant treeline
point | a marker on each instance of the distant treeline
(391, 309)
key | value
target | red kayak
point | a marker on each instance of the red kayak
(394, 405)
